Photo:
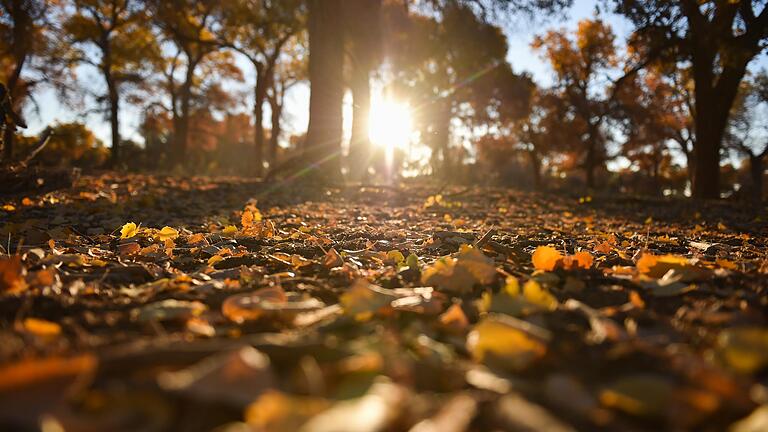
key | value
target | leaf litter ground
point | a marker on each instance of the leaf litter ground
(134, 302)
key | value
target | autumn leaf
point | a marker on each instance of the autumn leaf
(654, 266)
(129, 230)
(12, 275)
(460, 274)
(363, 299)
(229, 230)
(546, 258)
(42, 328)
(507, 343)
(167, 233)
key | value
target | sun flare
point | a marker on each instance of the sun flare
(391, 125)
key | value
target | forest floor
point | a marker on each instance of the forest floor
(135, 302)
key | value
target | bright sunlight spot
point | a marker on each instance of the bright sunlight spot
(390, 124)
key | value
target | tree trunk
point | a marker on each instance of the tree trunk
(114, 120)
(364, 26)
(589, 166)
(535, 168)
(274, 138)
(713, 99)
(259, 96)
(326, 58)
(181, 134)
(756, 171)
(360, 145)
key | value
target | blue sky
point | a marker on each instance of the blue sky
(520, 33)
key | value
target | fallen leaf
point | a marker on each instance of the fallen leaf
(167, 233)
(42, 328)
(129, 230)
(546, 258)
(363, 299)
(12, 275)
(169, 310)
(507, 342)
(460, 274)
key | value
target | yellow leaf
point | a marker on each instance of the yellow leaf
(505, 343)
(460, 274)
(364, 299)
(168, 233)
(546, 258)
(396, 256)
(229, 230)
(535, 294)
(657, 266)
(512, 287)
(129, 230)
(214, 259)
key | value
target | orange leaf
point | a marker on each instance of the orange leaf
(546, 258)
(12, 275)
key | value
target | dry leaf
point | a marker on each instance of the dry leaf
(129, 230)
(546, 258)
(507, 343)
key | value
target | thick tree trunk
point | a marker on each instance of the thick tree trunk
(326, 58)
(713, 99)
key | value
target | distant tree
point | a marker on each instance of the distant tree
(291, 70)
(190, 27)
(719, 39)
(451, 70)
(748, 130)
(579, 64)
(124, 44)
(261, 30)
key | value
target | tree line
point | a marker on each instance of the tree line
(680, 84)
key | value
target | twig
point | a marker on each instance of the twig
(41, 143)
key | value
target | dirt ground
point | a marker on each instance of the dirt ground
(147, 303)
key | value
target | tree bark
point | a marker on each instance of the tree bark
(181, 134)
(276, 107)
(259, 97)
(114, 120)
(535, 168)
(326, 57)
